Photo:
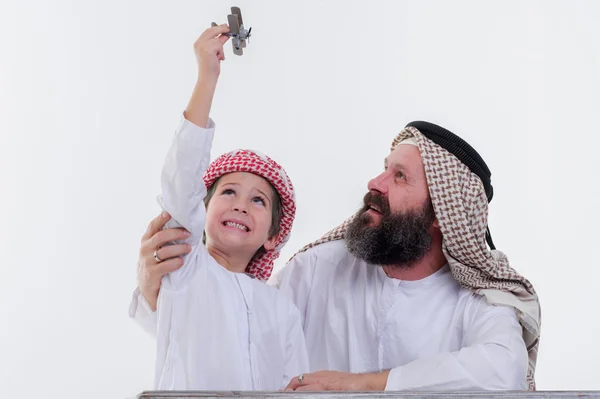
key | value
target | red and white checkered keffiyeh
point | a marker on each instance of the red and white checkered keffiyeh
(461, 207)
(255, 162)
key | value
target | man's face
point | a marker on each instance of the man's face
(402, 183)
(395, 224)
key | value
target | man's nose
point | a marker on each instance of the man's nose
(378, 184)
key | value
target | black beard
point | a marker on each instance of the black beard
(400, 239)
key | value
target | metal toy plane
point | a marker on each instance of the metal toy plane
(237, 32)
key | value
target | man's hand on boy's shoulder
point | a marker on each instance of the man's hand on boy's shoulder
(150, 270)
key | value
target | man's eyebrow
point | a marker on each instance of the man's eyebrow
(395, 165)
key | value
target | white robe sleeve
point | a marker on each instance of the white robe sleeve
(140, 312)
(182, 196)
(296, 355)
(183, 190)
(493, 357)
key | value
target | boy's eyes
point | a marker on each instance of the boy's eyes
(258, 200)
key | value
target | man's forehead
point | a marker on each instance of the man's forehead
(405, 156)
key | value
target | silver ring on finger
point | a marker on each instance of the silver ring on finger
(301, 378)
(156, 258)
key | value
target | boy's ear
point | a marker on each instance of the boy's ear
(269, 245)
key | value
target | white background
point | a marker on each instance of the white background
(91, 92)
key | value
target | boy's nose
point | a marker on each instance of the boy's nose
(238, 208)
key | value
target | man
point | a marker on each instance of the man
(405, 295)
(441, 311)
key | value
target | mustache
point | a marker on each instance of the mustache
(378, 201)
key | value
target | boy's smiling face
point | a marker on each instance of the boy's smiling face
(239, 215)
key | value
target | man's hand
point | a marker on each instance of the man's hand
(150, 271)
(339, 381)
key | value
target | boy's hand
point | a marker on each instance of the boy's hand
(209, 51)
(209, 54)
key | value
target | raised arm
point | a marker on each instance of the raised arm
(181, 167)
(209, 54)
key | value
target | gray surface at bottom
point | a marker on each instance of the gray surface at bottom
(372, 395)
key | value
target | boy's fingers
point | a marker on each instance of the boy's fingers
(214, 31)
(223, 39)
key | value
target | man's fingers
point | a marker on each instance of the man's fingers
(155, 225)
(169, 266)
(294, 383)
(171, 251)
(164, 236)
(312, 387)
(290, 387)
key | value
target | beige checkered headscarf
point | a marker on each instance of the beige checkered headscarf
(461, 207)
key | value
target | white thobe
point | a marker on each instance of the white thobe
(215, 329)
(431, 333)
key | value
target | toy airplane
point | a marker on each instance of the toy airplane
(237, 32)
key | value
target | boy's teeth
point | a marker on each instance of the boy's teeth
(237, 225)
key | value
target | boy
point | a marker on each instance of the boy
(218, 327)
